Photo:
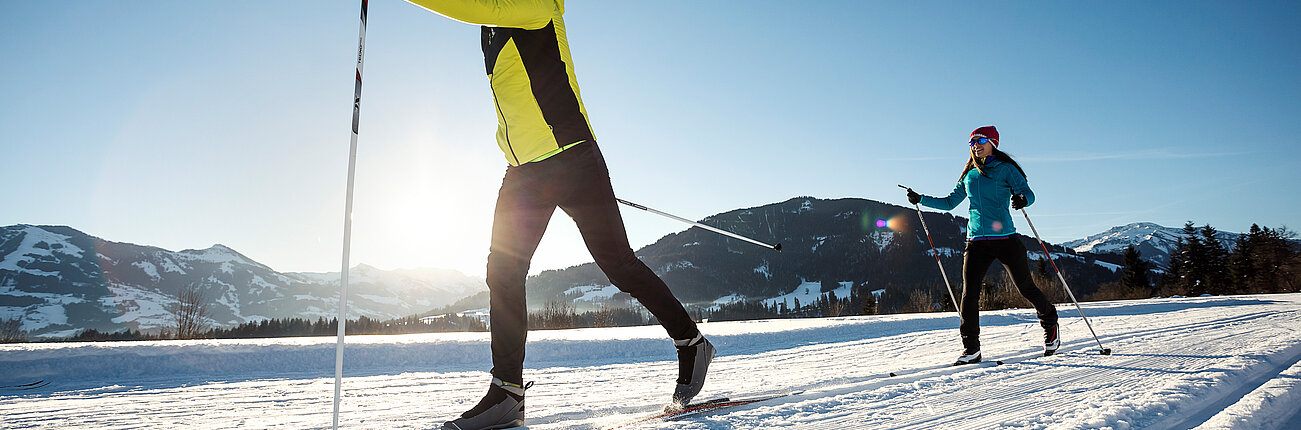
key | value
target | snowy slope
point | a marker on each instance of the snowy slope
(808, 292)
(1215, 362)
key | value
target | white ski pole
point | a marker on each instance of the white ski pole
(1101, 349)
(347, 221)
(777, 247)
(947, 286)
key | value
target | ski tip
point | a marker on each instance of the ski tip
(892, 374)
(1106, 351)
(998, 363)
(778, 247)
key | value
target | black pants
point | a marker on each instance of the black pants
(975, 262)
(577, 181)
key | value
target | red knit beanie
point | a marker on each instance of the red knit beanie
(987, 131)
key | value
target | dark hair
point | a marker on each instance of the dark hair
(973, 163)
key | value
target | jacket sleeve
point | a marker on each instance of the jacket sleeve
(956, 196)
(1019, 185)
(526, 14)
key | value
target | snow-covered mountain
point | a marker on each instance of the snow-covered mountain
(59, 280)
(1153, 241)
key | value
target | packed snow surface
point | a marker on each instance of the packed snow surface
(1178, 363)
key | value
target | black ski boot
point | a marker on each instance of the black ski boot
(694, 356)
(969, 356)
(502, 407)
(1051, 340)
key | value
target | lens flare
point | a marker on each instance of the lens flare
(898, 222)
(895, 223)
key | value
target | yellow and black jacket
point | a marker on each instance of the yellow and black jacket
(526, 54)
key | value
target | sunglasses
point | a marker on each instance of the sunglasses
(979, 141)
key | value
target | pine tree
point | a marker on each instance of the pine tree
(1242, 262)
(1214, 264)
(1275, 260)
(1193, 257)
(1185, 272)
(1172, 280)
(1134, 277)
(869, 304)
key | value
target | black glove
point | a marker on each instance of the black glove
(1018, 201)
(913, 197)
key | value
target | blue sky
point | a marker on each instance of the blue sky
(184, 124)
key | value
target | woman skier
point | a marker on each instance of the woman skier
(992, 179)
(553, 162)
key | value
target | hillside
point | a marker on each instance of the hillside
(866, 243)
(59, 280)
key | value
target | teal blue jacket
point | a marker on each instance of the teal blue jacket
(991, 196)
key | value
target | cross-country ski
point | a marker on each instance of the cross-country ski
(28, 386)
(698, 408)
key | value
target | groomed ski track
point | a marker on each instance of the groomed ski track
(1209, 362)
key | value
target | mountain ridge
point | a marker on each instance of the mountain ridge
(1154, 242)
(60, 280)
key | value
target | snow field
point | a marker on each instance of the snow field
(1213, 362)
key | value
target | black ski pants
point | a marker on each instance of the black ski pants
(975, 262)
(577, 181)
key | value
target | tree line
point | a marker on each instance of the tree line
(560, 315)
(553, 316)
(860, 301)
(1263, 260)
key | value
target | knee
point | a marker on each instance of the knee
(1027, 286)
(618, 261)
(505, 272)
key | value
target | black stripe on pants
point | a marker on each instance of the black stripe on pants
(578, 182)
(975, 262)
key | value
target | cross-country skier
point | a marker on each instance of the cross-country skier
(554, 162)
(992, 179)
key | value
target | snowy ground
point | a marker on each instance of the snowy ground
(1216, 362)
